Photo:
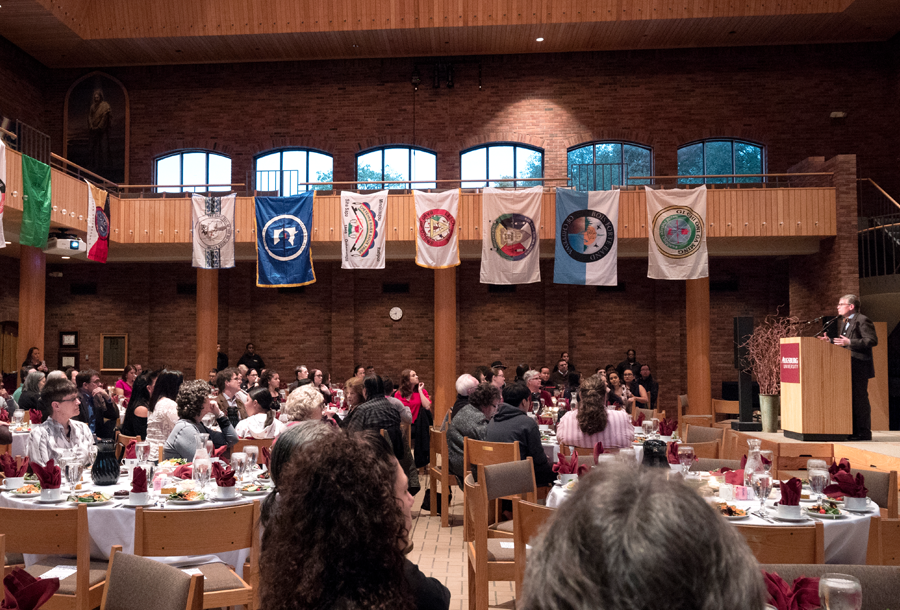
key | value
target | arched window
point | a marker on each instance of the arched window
(711, 157)
(498, 162)
(285, 171)
(393, 164)
(193, 167)
(600, 166)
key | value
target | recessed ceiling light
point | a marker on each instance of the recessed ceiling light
(539, 39)
(65, 258)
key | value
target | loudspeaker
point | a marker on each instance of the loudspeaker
(743, 328)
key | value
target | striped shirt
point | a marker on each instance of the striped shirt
(619, 431)
(49, 440)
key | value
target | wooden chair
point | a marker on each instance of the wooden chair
(187, 532)
(708, 450)
(729, 448)
(648, 414)
(477, 453)
(882, 488)
(776, 544)
(694, 420)
(585, 451)
(682, 402)
(879, 583)
(257, 442)
(406, 431)
(528, 519)
(439, 472)
(487, 559)
(507, 480)
(57, 532)
(136, 582)
(884, 542)
(122, 441)
(702, 434)
(730, 409)
(708, 464)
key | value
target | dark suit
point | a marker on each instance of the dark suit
(861, 332)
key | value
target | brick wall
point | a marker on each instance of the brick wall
(21, 94)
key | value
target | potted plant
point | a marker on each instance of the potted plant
(763, 361)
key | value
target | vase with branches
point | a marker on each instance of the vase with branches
(763, 347)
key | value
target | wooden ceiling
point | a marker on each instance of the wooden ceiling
(96, 33)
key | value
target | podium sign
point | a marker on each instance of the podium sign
(790, 363)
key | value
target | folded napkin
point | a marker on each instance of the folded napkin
(743, 462)
(844, 466)
(803, 595)
(570, 466)
(598, 450)
(13, 467)
(735, 477)
(267, 455)
(545, 421)
(219, 451)
(790, 492)
(766, 461)
(639, 419)
(672, 453)
(139, 480)
(4, 415)
(130, 451)
(848, 486)
(667, 427)
(722, 470)
(185, 471)
(36, 416)
(224, 475)
(49, 475)
(22, 591)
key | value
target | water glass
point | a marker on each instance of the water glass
(252, 452)
(627, 456)
(818, 479)
(815, 464)
(685, 458)
(239, 464)
(201, 472)
(769, 455)
(142, 451)
(762, 487)
(92, 456)
(655, 423)
(840, 592)
(646, 427)
(74, 469)
(18, 416)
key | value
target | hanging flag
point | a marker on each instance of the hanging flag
(212, 219)
(362, 238)
(35, 203)
(2, 190)
(510, 250)
(677, 234)
(283, 233)
(98, 223)
(587, 246)
(437, 237)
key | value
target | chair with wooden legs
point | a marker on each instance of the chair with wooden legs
(776, 544)
(729, 448)
(884, 542)
(702, 434)
(136, 582)
(649, 414)
(708, 465)
(708, 450)
(57, 532)
(439, 472)
(255, 442)
(187, 532)
(726, 408)
(528, 520)
(122, 441)
(882, 488)
(487, 559)
(513, 480)
(477, 453)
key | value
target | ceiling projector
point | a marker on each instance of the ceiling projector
(65, 245)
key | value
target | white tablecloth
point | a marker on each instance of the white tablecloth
(552, 448)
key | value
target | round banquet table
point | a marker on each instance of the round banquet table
(552, 448)
(113, 524)
(846, 539)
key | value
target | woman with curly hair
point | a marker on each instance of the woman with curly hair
(193, 403)
(353, 397)
(303, 404)
(337, 538)
(593, 422)
(412, 393)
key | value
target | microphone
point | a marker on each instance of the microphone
(824, 328)
(814, 320)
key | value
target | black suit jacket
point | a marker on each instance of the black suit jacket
(861, 333)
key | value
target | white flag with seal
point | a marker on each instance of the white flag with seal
(2, 190)
(213, 227)
(677, 234)
(510, 248)
(437, 234)
(363, 229)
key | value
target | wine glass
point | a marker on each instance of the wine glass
(767, 454)
(142, 451)
(762, 487)
(201, 471)
(685, 458)
(818, 479)
(252, 452)
(840, 592)
(239, 464)
(655, 425)
(646, 427)
(91, 457)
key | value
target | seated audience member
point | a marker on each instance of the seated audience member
(23, 375)
(124, 383)
(162, 412)
(228, 382)
(261, 421)
(60, 432)
(639, 395)
(402, 409)
(252, 379)
(498, 377)
(303, 404)
(244, 372)
(520, 373)
(512, 424)
(593, 422)
(470, 422)
(135, 421)
(343, 520)
(545, 378)
(212, 377)
(270, 380)
(320, 382)
(465, 383)
(648, 383)
(301, 376)
(97, 408)
(31, 392)
(353, 397)
(619, 396)
(611, 547)
(376, 413)
(6, 437)
(193, 403)
(483, 373)
(532, 381)
(630, 363)
(8, 403)
(560, 376)
(359, 371)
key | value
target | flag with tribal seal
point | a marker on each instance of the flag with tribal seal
(510, 244)
(587, 248)
(213, 228)
(283, 235)
(363, 229)
(677, 248)
(437, 235)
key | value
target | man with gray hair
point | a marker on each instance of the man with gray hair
(465, 383)
(532, 379)
(629, 538)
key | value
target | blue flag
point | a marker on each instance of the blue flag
(283, 233)
(587, 248)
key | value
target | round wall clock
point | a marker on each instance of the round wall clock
(396, 313)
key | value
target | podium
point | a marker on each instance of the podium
(816, 397)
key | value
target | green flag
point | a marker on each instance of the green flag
(35, 203)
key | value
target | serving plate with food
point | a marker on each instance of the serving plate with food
(256, 489)
(189, 496)
(731, 512)
(93, 498)
(825, 510)
(29, 490)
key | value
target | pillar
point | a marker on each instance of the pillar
(32, 292)
(207, 320)
(699, 382)
(444, 341)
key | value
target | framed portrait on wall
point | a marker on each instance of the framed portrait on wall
(68, 340)
(113, 353)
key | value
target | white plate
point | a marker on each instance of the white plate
(57, 501)
(821, 516)
(217, 499)
(800, 519)
(127, 504)
(256, 493)
(104, 503)
(185, 502)
(18, 495)
(736, 517)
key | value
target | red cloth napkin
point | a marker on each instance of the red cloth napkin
(790, 492)
(49, 475)
(766, 461)
(598, 449)
(743, 462)
(185, 471)
(848, 486)
(13, 467)
(722, 470)
(4, 415)
(803, 595)
(267, 455)
(735, 477)
(130, 451)
(844, 466)
(139, 480)
(36, 416)
(218, 452)
(544, 421)
(22, 591)
(570, 466)
(224, 475)
(672, 453)
(667, 427)
(640, 418)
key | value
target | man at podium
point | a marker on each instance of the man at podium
(857, 333)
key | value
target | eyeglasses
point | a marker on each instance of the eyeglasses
(71, 399)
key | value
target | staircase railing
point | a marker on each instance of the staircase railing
(879, 230)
